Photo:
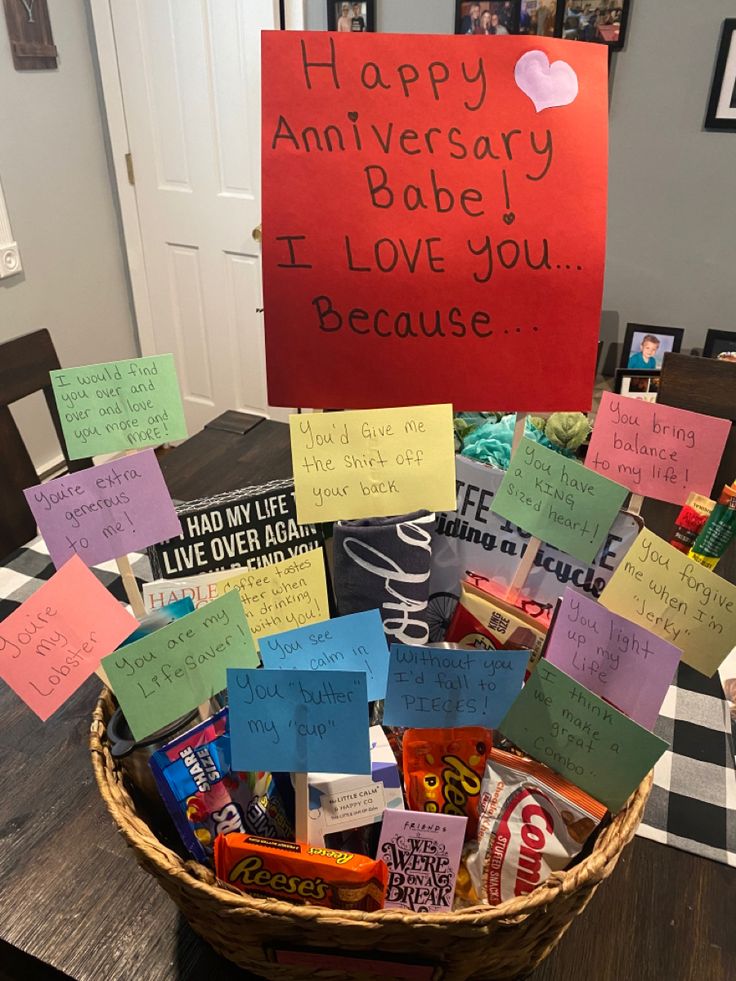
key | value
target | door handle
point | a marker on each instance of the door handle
(257, 232)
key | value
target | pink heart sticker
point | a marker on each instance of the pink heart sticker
(546, 85)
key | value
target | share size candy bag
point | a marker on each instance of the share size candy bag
(443, 770)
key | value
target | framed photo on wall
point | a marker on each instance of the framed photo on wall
(487, 17)
(638, 384)
(539, 17)
(599, 21)
(721, 113)
(351, 18)
(720, 344)
(645, 347)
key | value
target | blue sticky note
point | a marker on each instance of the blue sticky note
(355, 642)
(299, 721)
(430, 687)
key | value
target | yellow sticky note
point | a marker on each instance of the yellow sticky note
(659, 588)
(373, 462)
(282, 595)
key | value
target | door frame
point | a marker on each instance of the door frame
(112, 93)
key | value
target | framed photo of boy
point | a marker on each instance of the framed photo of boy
(637, 384)
(644, 347)
(719, 344)
(721, 113)
(351, 18)
(600, 21)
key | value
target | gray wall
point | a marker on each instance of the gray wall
(60, 198)
(672, 186)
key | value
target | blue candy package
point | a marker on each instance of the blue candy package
(206, 797)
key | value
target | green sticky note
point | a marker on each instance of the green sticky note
(121, 405)
(558, 500)
(175, 669)
(564, 725)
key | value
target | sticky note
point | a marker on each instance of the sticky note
(119, 405)
(373, 463)
(661, 589)
(106, 511)
(617, 659)
(299, 721)
(432, 687)
(246, 528)
(656, 450)
(433, 253)
(355, 642)
(558, 500)
(54, 641)
(564, 725)
(281, 596)
(170, 672)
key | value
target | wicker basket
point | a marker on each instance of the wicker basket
(500, 942)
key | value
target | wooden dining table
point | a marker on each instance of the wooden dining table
(73, 902)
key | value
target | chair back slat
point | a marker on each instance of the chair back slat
(708, 386)
(25, 363)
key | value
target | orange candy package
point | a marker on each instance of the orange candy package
(443, 770)
(300, 873)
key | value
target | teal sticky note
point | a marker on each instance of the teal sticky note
(564, 725)
(119, 405)
(175, 669)
(558, 500)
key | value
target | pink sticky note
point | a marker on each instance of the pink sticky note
(655, 450)
(52, 643)
(617, 659)
(105, 511)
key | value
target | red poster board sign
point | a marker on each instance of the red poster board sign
(434, 213)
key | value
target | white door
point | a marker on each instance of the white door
(190, 82)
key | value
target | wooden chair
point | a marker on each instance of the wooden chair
(25, 363)
(708, 386)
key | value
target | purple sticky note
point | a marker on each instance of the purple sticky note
(628, 666)
(422, 852)
(105, 511)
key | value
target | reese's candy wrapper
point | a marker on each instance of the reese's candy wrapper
(206, 797)
(443, 770)
(531, 822)
(300, 873)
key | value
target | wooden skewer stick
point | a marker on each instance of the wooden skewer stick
(131, 586)
(301, 806)
(518, 431)
(523, 569)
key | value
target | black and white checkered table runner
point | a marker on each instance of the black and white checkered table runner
(693, 802)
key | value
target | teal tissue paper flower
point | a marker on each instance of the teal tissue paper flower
(491, 441)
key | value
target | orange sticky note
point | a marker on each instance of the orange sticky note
(52, 643)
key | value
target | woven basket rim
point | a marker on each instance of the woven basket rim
(167, 864)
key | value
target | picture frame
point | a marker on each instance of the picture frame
(661, 341)
(721, 112)
(499, 17)
(360, 16)
(637, 384)
(719, 342)
(594, 21)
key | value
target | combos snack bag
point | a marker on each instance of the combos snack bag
(205, 797)
(443, 769)
(531, 822)
(300, 873)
